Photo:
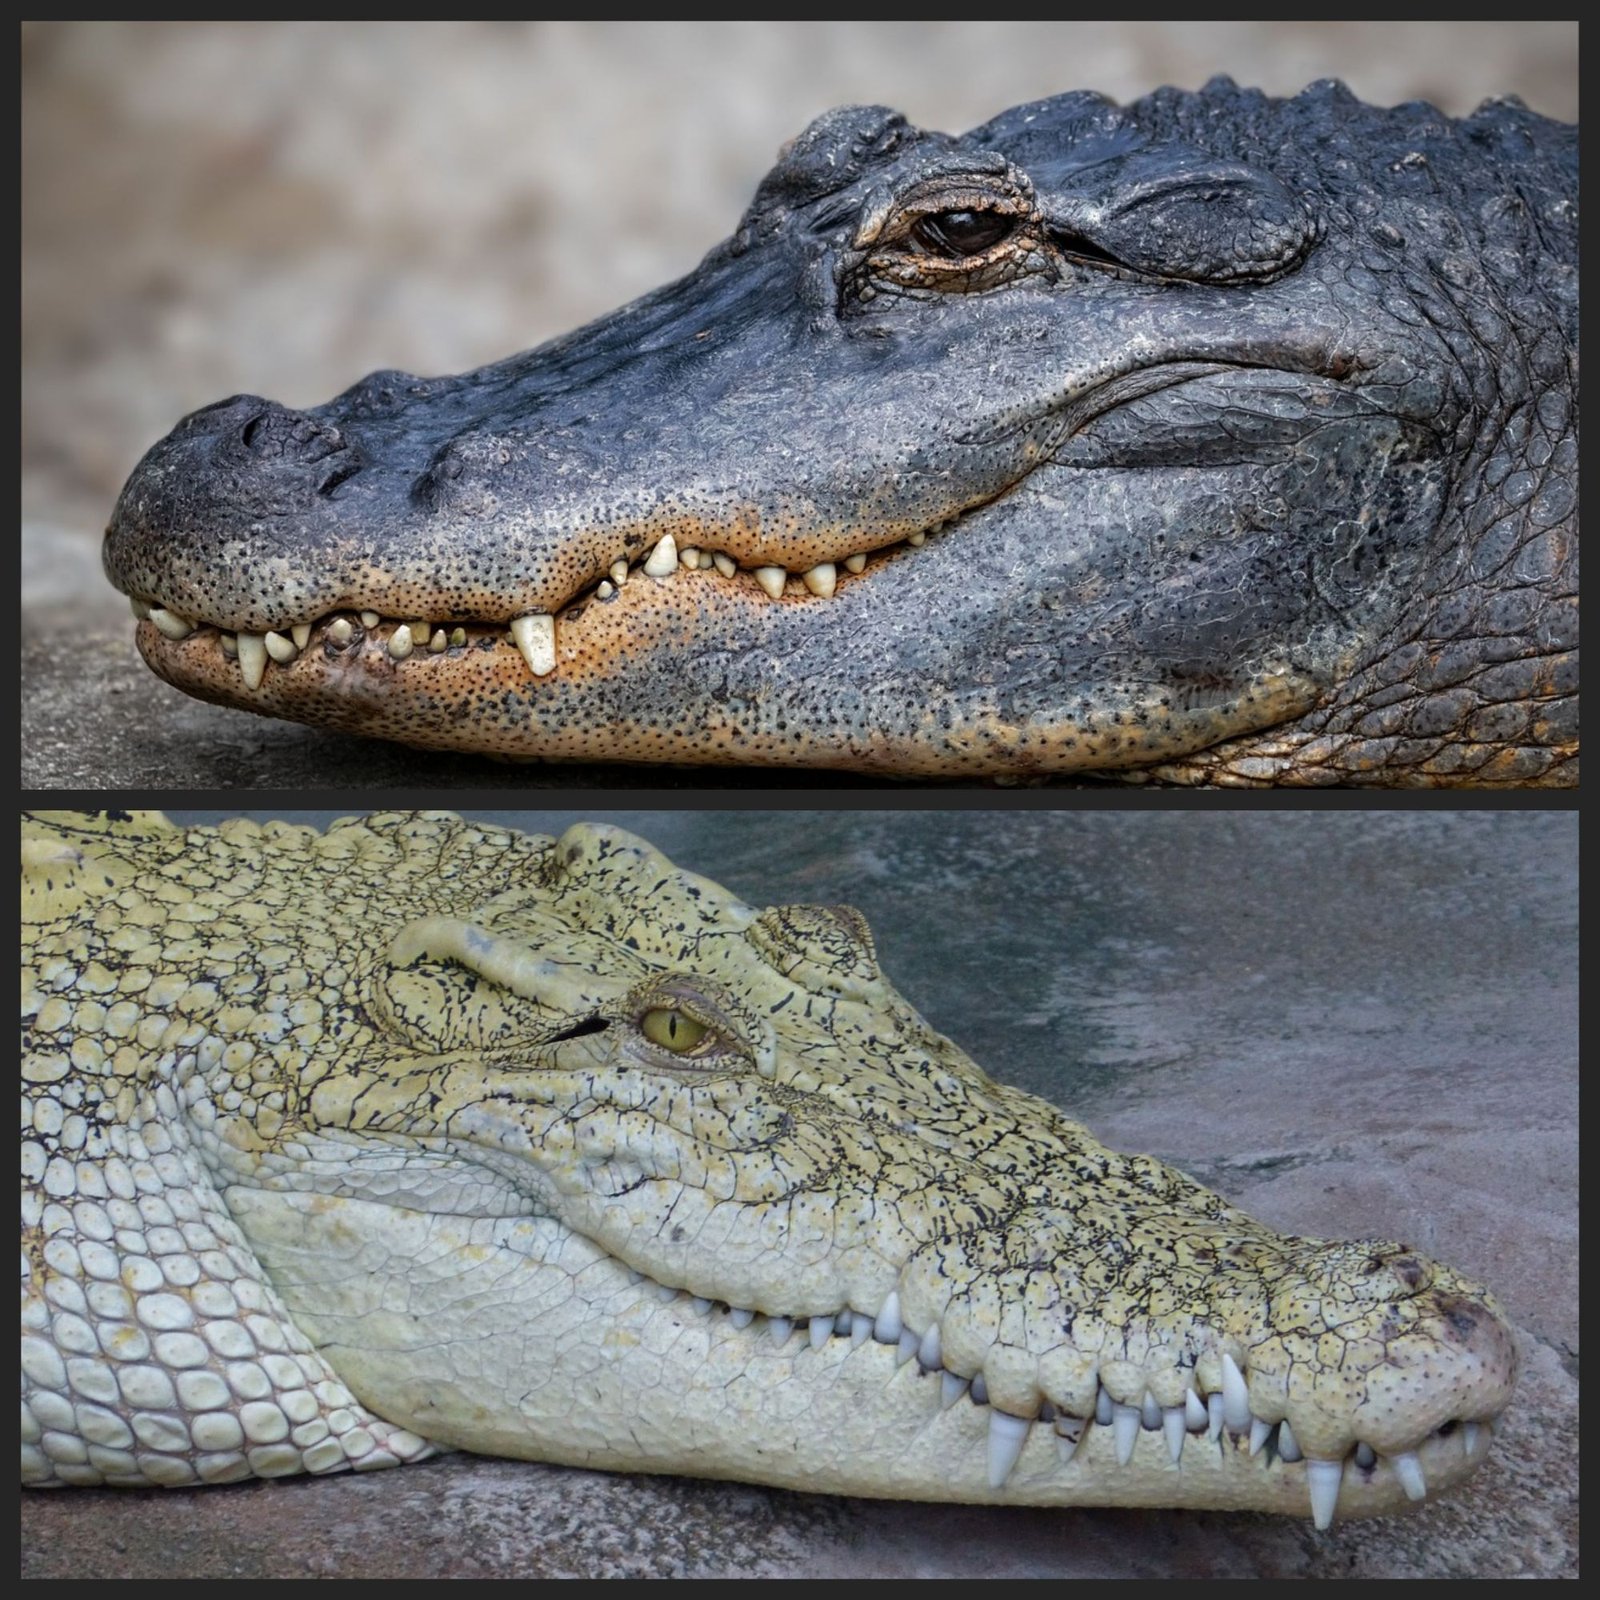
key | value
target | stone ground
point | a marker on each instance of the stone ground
(1351, 1023)
(282, 207)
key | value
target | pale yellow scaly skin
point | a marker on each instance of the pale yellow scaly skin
(343, 1146)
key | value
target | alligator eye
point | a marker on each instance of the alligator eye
(963, 233)
(672, 1030)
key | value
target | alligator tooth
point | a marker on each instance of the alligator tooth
(979, 1390)
(1124, 1430)
(689, 559)
(1194, 1411)
(860, 1329)
(1213, 1417)
(439, 643)
(1007, 1435)
(1366, 1456)
(665, 1292)
(282, 650)
(170, 623)
(821, 579)
(619, 572)
(1069, 1431)
(1172, 1426)
(856, 562)
(1288, 1445)
(915, 540)
(230, 645)
(1469, 1436)
(1103, 1404)
(739, 1317)
(370, 619)
(301, 634)
(906, 1346)
(1260, 1432)
(662, 562)
(535, 637)
(929, 1352)
(724, 563)
(341, 631)
(819, 1331)
(252, 659)
(399, 642)
(1235, 1397)
(1409, 1471)
(1149, 1413)
(951, 1389)
(886, 1328)
(771, 579)
(782, 1327)
(1322, 1479)
(701, 1304)
(139, 609)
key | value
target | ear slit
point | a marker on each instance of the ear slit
(578, 1029)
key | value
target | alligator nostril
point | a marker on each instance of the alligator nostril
(251, 429)
(340, 474)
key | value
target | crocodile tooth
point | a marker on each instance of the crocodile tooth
(662, 562)
(230, 645)
(1149, 1413)
(535, 637)
(724, 563)
(1124, 1430)
(1469, 1436)
(701, 1304)
(819, 1330)
(929, 1352)
(689, 559)
(782, 1327)
(301, 634)
(341, 631)
(1214, 1416)
(458, 637)
(821, 579)
(1103, 1405)
(370, 619)
(170, 623)
(1322, 1479)
(665, 1292)
(252, 659)
(1366, 1456)
(1172, 1426)
(619, 572)
(1007, 1435)
(400, 645)
(605, 589)
(906, 1347)
(978, 1389)
(1194, 1411)
(741, 1318)
(282, 650)
(916, 540)
(1235, 1397)
(886, 1328)
(1288, 1445)
(439, 643)
(951, 1389)
(635, 1276)
(860, 1329)
(855, 563)
(420, 632)
(1409, 1471)
(771, 579)
(1260, 1432)
(1069, 1431)
(139, 609)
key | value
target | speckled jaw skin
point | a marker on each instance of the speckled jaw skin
(1209, 439)
(341, 1147)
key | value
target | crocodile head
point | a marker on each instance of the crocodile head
(1219, 435)
(552, 1150)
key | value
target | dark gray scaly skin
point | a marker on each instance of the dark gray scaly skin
(1208, 439)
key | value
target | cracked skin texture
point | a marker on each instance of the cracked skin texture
(1210, 439)
(420, 1133)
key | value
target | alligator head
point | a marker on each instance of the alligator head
(1098, 438)
(551, 1150)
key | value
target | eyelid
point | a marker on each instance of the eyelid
(1000, 187)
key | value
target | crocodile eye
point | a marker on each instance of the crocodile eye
(962, 233)
(672, 1030)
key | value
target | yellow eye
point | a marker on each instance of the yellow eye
(672, 1030)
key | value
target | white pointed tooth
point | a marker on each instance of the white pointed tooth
(282, 650)
(139, 609)
(1409, 1471)
(782, 1327)
(665, 1292)
(535, 637)
(1124, 1430)
(822, 578)
(1103, 1405)
(771, 579)
(439, 643)
(860, 1329)
(605, 589)
(738, 1316)
(252, 659)
(1172, 1426)
(619, 572)
(857, 562)
(841, 1323)
(1288, 1445)
(819, 1331)
(724, 563)
(886, 1329)
(1214, 1416)
(230, 645)
(951, 1389)
(1469, 1436)
(701, 1304)
(1194, 1411)
(1235, 1397)
(341, 631)
(1322, 1479)
(980, 1389)
(906, 1346)
(662, 562)
(1366, 1456)
(929, 1352)
(688, 559)
(170, 623)
(1069, 1431)
(370, 619)
(400, 642)
(1260, 1432)
(1007, 1435)
(916, 540)
(301, 634)
(1149, 1413)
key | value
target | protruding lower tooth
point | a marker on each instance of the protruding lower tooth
(139, 609)
(1322, 1479)
(689, 559)
(741, 1318)
(252, 659)
(1366, 1456)
(856, 563)
(1172, 1427)
(439, 643)
(1235, 1396)
(1007, 1435)
(724, 563)
(906, 1347)
(665, 1292)
(341, 631)
(1469, 1436)
(619, 572)
(782, 1327)
(419, 633)
(605, 589)
(819, 1331)
(979, 1389)
(886, 1330)
(1409, 1471)
(860, 1329)
(370, 619)
(458, 637)
(701, 1304)
(301, 634)
(841, 1323)
(951, 1389)
(1149, 1413)
(1124, 1430)
(916, 540)
(822, 578)
(662, 562)
(1213, 1417)
(282, 650)
(1069, 1431)
(1194, 1411)
(400, 645)
(1260, 1432)
(1103, 1406)
(230, 645)
(535, 637)
(170, 623)
(1288, 1445)
(929, 1352)
(771, 579)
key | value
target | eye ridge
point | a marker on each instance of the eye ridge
(963, 233)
